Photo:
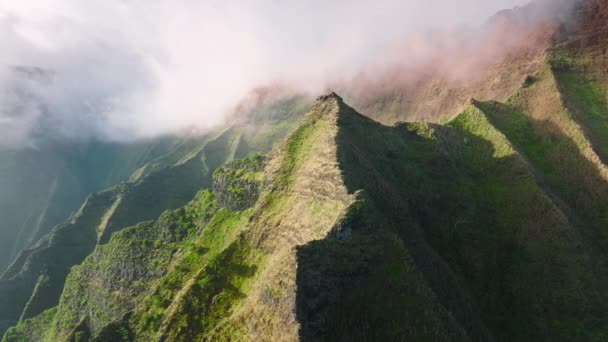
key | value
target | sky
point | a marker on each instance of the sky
(129, 69)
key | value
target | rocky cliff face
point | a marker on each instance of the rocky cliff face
(237, 185)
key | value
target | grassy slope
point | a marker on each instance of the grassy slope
(167, 256)
(394, 269)
(152, 189)
(203, 293)
(558, 123)
(532, 242)
(48, 264)
(461, 199)
(141, 200)
(44, 270)
(424, 232)
(244, 286)
(112, 280)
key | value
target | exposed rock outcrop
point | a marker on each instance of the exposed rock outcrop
(237, 185)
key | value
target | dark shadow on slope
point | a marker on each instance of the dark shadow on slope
(475, 247)
(367, 307)
(574, 181)
(582, 192)
(366, 288)
(116, 331)
(579, 78)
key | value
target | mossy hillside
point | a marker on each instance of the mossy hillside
(172, 187)
(266, 311)
(543, 129)
(155, 316)
(470, 272)
(161, 184)
(225, 281)
(151, 248)
(144, 198)
(237, 185)
(282, 171)
(115, 277)
(367, 287)
(86, 233)
(69, 244)
(33, 202)
(459, 196)
(39, 280)
(109, 286)
(449, 227)
(557, 147)
(116, 332)
(558, 159)
(167, 187)
(585, 91)
(303, 201)
(111, 281)
(32, 329)
(213, 293)
(529, 244)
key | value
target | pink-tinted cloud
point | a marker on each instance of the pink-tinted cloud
(128, 69)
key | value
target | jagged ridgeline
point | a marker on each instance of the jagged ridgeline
(491, 225)
(352, 230)
(35, 280)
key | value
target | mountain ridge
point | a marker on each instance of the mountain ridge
(354, 229)
(336, 209)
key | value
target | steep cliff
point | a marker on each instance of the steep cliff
(488, 224)
(357, 231)
(35, 280)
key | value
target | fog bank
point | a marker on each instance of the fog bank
(123, 70)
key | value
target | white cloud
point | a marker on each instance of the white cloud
(126, 69)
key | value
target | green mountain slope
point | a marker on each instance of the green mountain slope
(35, 280)
(32, 201)
(355, 230)
(491, 225)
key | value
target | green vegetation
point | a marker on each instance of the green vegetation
(585, 94)
(295, 147)
(237, 184)
(201, 251)
(479, 228)
(489, 226)
(212, 296)
(32, 329)
(33, 283)
(116, 276)
(38, 282)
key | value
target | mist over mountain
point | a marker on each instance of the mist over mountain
(272, 171)
(79, 76)
(122, 70)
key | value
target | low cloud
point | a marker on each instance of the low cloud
(122, 70)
